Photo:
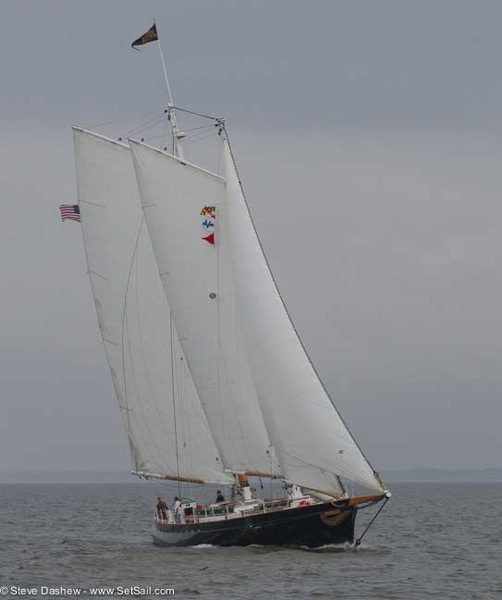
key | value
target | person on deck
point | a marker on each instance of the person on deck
(161, 509)
(178, 511)
(219, 497)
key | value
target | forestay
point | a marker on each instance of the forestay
(167, 429)
(184, 210)
(312, 443)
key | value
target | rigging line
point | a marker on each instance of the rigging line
(126, 333)
(202, 135)
(357, 543)
(196, 128)
(207, 129)
(289, 316)
(151, 138)
(186, 431)
(157, 117)
(144, 131)
(125, 418)
(174, 402)
(197, 114)
(141, 131)
(115, 121)
(198, 137)
(142, 344)
(134, 371)
(145, 124)
(123, 327)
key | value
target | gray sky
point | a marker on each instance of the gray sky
(369, 139)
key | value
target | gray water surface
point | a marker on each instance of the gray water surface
(431, 541)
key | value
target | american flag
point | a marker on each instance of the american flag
(70, 211)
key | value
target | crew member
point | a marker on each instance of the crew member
(161, 509)
(178, 511)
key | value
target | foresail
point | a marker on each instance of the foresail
(162, 414)
(183, 210)
(312, 443)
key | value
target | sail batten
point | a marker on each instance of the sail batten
(146, 362)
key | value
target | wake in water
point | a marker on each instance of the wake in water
(334, 548)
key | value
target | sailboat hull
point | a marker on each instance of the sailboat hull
(310, 526)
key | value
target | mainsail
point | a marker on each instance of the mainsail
(161, 410)
(177, 199)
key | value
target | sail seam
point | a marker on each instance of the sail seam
(92, 203)
(91, 272)
(174, 402)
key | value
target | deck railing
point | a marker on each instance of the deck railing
(226, 511)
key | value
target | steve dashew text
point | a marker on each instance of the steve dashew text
(69, 591)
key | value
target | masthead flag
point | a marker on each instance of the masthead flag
(149, 36)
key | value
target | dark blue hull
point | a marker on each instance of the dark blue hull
(310, 526)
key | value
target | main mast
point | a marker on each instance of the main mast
(178, 135)
(152, 36)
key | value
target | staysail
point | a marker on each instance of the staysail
(184, 210)
(313, 444)
(159, 404)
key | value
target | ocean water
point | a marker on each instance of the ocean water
(431, 541)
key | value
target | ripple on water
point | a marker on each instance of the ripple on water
(423, 546)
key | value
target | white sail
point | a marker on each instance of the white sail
(167, 429)
(183, 210)
(312, 443)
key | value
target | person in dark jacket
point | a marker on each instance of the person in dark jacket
(161, 509)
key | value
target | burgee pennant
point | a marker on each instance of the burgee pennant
(149, 36)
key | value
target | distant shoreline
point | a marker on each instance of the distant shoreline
(486, 475)
(424, 475)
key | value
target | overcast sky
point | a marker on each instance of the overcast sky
(369, 140)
